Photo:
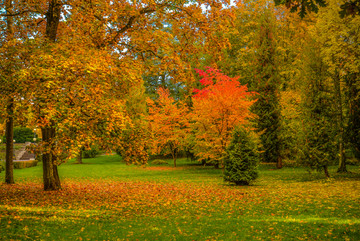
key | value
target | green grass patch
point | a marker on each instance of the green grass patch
(104, 199)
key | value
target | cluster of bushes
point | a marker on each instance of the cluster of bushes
(91, 153)
(159, 162)
(21, 135)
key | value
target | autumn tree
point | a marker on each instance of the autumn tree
(11, 51)
(303, 7)
(169, 124)
(338, 38)
(318, 147)
(219, 106)
(134, 145)
(7, 67)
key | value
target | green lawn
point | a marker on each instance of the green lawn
(103, 199)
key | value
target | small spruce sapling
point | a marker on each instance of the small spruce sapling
(242, 159)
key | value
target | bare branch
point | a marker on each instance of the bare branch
(129, 25)
(20, 13)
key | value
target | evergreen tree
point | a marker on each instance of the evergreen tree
(339, 41)
(266, 83)
(319, 145)
(353, 103)
(242, 160)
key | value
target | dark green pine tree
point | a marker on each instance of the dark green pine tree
(319, 121)
(353, 103)
(240, 165)
(266, 84)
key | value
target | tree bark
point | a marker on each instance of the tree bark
(52, 19)
(342, 159)
(9, 156)
(79, 157)
(174, 154)
(353, 126)
(326, 172)
(279, 163)
(50, 173)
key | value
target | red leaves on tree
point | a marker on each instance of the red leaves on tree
(219, 106)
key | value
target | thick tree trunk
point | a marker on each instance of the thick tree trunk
(342, 160)
(50, 173)
(53, 19)
(9, 156)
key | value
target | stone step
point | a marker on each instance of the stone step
(27, 156)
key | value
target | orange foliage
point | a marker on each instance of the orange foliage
(169, 124)
(222, 104)
(80, 59)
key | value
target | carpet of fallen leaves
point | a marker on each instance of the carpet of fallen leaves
(126, 199)
(333, 204)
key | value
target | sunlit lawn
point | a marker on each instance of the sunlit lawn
(104, 199)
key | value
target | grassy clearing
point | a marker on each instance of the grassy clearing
(104, 199)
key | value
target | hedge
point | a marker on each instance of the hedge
(25, 164)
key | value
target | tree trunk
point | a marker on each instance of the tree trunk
(279, 163)
(53, 19)
(174, 158)
(174, 155)
(326, 172)
(50, 173)
(9, 156)
(353, 126)
(79, 157)
(342, 160)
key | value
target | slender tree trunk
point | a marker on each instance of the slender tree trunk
(174, 154)
(50, 173)
(279, 163)
(79, 157)
(9, 156)
(342, 160)
(174, 158)
(353, 126)
(326, 172)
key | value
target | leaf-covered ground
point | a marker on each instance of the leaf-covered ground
(276, 207)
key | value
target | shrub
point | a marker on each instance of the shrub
(242, 159)
(134, 145)
(91, 153)
(25, 164)
(23, 134)
(159, 162)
